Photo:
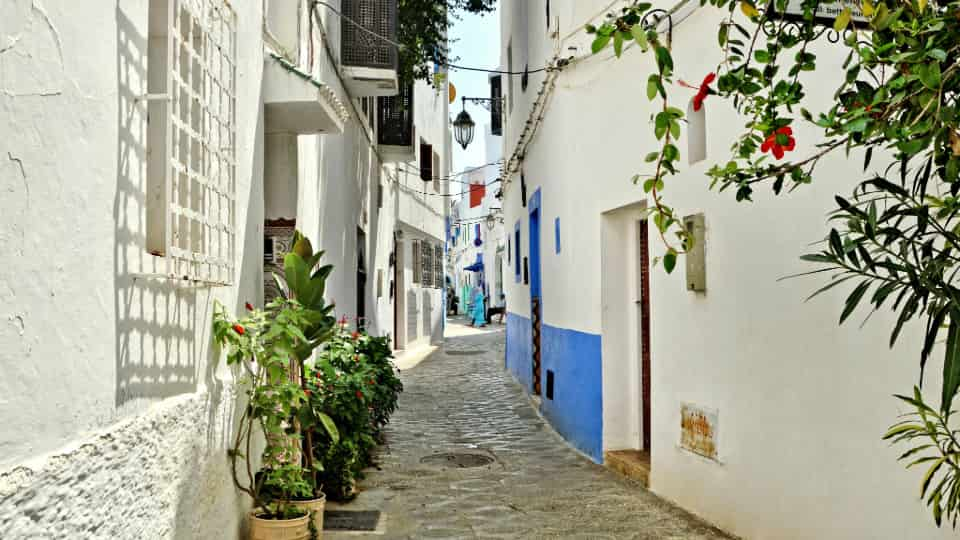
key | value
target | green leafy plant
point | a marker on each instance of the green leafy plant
(424, 29)
(895, 238)
(271, 346)
(355, 383)
(262, 344)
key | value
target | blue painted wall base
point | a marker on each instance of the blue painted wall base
(576, 410)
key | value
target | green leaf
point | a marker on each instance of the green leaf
(854, 299)
(664, 60)
(599, 43)
(670, 261)
(640, 35)
(722, 34)
(930, 75)
(652, 83)
(843, 20)
(929, 475)
(617, 44)
(329, 426)
(951, 363)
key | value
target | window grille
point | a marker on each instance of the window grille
(496, 105)
(192, 137)
(395, 118)
(438, 266)
(426, 265)
(364, 48)
(416, 261)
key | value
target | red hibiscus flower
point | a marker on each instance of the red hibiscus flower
(239, 329)
(249, 306)
(779, 141)
(355, 335)
(359, 394)
(702, 91)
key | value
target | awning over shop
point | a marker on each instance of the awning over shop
(477, 266)
(295, 102)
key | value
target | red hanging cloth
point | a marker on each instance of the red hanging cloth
(477, 192)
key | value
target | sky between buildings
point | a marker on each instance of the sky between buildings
(475, 43)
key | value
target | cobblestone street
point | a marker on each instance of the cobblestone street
(460, 399)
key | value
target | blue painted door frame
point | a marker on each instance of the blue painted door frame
(536, 289)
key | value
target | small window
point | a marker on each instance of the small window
(556, 233)
(438, 266)
(426, 161)
(516, 252)
(192, 138)
(510, 77)
(416, 261)
(696, 134)
(426, 265)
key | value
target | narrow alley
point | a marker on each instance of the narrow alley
(461, 400)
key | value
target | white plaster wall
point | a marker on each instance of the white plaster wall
(802, 403)
(116, 414)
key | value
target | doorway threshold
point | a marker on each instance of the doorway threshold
(633, 464)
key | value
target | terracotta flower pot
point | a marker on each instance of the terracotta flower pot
(314, 508)
(279, 529)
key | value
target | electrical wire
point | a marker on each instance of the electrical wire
(449, 178)
(410, 189)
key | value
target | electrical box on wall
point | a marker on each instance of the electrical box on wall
(696, 256)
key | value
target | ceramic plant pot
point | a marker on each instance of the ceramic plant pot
(314, 509)
(279, 529)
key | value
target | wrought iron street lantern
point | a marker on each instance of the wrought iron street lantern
(463, 125)
(463, 129)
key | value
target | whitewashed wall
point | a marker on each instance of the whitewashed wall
(116, 414)
(801, 403)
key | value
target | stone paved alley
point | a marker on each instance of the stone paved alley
(460, 399)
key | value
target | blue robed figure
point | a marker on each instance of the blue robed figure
(477, 315)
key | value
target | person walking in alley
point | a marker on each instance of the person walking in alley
(477, 311)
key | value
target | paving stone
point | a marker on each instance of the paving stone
(538, 487)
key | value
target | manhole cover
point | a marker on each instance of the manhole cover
(457, 461)
(351, 520)
(462, 353)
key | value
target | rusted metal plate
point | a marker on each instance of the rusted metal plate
(698, 430)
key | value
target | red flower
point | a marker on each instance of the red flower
(308, 392)
(779, 141)
(359, 394)
(702, 91)
(372, 382)
(239, 329)
(249, 306)
(355, 335)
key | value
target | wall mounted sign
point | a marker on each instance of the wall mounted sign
(826, 13)
(698, 430)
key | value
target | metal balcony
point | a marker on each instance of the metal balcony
(369, 61)
(395, 133)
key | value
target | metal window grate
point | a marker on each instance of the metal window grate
(395, 118)
(438, 266)
(416, 261)
(426, 265)
(197, 195)
(365, 49)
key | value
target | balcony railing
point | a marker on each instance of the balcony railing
(395, 119)
(364, 49)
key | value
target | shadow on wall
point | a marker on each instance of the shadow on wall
(157, 346)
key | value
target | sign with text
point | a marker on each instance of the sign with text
(826, 12)
(698, 430)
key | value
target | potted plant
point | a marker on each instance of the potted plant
(271, 346)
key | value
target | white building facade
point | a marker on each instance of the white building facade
(120, 234)
(796, 405)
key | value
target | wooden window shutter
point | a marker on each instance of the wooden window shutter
(426, 162)
(496, 105)
(416, 261)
